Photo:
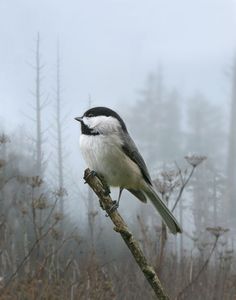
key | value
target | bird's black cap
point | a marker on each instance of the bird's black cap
(104, 111)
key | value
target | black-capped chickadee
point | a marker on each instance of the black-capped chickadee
(109, 150)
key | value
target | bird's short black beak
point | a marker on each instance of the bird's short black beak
(80, 119)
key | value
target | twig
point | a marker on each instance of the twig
(184, 183)
(181, 293)
(53, 252)
(27, 256)
(121, 227)
(50, 213)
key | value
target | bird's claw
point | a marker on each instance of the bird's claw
(91, 173)
(107, 190)
(114, 207)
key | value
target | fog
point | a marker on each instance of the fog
(109, 47)
(168, 68)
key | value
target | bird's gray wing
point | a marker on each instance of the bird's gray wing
(132, 152)
(138, 194)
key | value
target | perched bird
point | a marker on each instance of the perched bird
(109, 150)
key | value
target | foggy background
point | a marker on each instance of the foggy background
(169, 69)
(108, 49)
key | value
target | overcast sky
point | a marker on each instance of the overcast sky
(109, 46)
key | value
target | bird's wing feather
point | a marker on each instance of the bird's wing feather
(138, 194)
(132, 152)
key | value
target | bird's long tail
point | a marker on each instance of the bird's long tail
(163, 210)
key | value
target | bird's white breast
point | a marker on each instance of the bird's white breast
(104, 155)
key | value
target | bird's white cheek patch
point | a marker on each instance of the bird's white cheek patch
(102, 124)
(87, 121)
(93, 122)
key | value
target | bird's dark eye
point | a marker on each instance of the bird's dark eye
(90, 115)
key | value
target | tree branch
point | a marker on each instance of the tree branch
(121, 227)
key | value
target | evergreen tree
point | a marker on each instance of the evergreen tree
(231, 160)
(205, 133)
(155, 122)
(205, 136)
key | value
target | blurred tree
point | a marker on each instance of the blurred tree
(156, 121)
(59, 124)
(231, 163)
(38, 107)
(38, 68)
(201, 206)
(171, 140)
(146, 117)
(3, 156)
(205, 123)
(205, 136)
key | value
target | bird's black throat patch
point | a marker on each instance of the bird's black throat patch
(88, 131)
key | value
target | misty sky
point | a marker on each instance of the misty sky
(109, 46)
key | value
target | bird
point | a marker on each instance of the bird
(110, 152)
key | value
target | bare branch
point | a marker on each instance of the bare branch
(37, 241)
(121, 227)
(28, 117)
(182, 292)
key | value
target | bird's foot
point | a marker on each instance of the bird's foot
(114, 207)
(107, 190)
(102, 205)
(106, 187)
(91, 173)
